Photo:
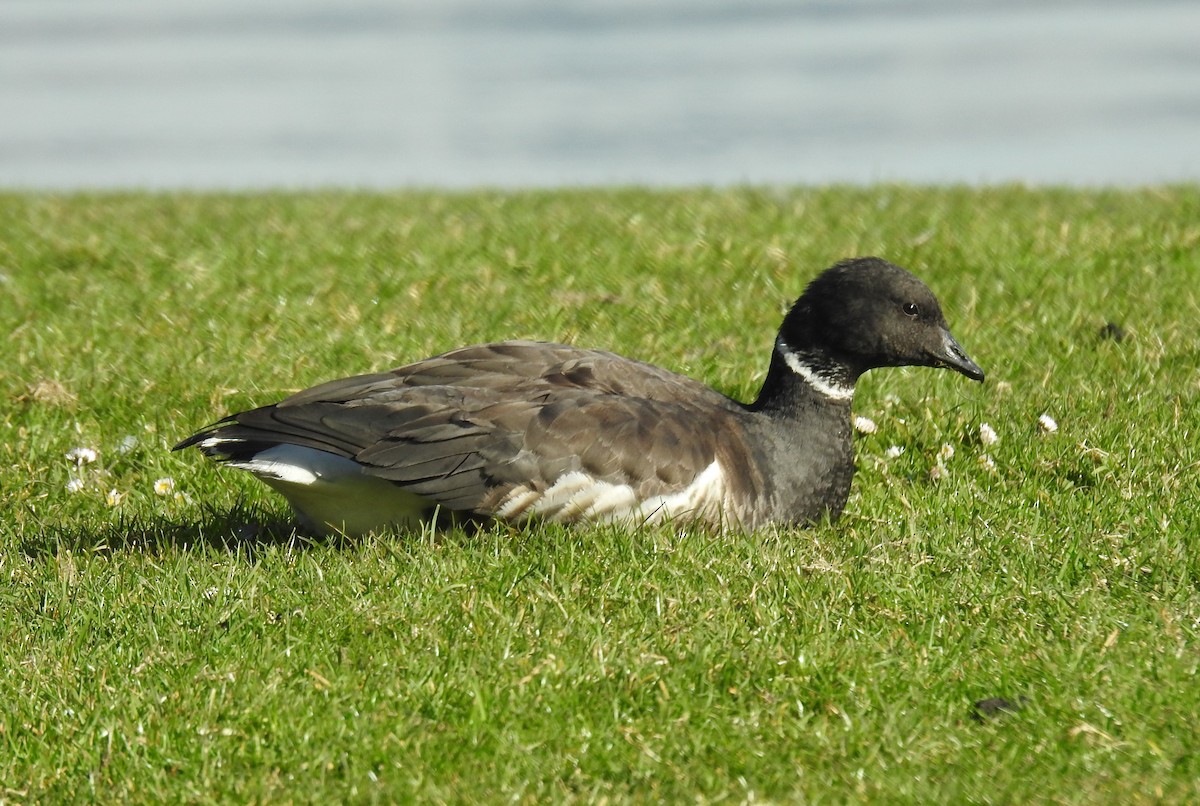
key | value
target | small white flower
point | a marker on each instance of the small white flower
(865, 425)
(988, 435)
(894, 452)
(82, 456)
(75, 485)
(938, 472)
(127, 444)
(987, 462)
(164, 486)
(113, 498)
(946, 453)
(1047, 424)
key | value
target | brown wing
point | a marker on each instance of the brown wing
(465, 427)
(530, 366)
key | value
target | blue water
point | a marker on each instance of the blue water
(460, 93)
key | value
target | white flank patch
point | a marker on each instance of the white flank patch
(516, 502)
(576, 496)
(618, 498)
(567, 488)
(830, 389)
(704, 498)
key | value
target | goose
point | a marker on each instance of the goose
(519, 431)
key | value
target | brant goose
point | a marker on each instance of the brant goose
(522, 430)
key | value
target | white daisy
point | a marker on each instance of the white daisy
(1047, 424)
(164, 486)
(988, 435)
(894, 452)
(865, 425)
(82, 456)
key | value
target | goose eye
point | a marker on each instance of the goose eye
(912, 309)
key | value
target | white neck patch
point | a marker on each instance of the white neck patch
(829, 388)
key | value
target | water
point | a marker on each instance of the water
(460, 93)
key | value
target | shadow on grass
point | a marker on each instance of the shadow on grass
(241, 529)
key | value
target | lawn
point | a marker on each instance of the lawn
(166, 637)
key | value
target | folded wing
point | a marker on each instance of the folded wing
(493, 429)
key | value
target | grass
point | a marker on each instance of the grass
(189, 647)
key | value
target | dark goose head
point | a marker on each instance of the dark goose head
(866, 313)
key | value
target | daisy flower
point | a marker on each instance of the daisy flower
(865, 425)
(82, 456)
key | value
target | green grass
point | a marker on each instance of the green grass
(188, 647)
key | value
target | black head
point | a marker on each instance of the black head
(865, 312)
